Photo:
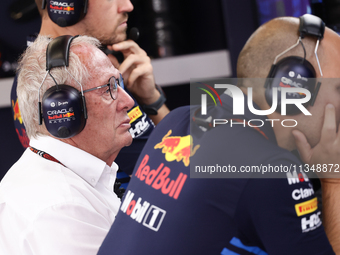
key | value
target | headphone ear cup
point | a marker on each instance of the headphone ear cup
(63, 111)
(67, 12)
(291, 72)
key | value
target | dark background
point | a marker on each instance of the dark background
(177, 27)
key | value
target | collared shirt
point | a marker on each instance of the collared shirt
(52, 208)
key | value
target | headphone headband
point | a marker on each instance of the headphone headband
(57, 52)
(294, 68)
(311, 25)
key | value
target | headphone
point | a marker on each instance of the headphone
(295, 71)
(62, 107)
(67, 12)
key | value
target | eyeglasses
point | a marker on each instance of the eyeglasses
(121, 81)
(112, 86)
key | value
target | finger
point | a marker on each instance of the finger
(302, 145)
(328, 133)
(126, 76)
(133, 60)
(127, 47)
(140, 71)
(114, 61)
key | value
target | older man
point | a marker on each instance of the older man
(58, 198)
(107, 21)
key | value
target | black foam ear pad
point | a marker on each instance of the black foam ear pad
(64, 111)
(292, 72)
(67, 12)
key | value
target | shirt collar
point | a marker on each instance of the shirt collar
(85, 165)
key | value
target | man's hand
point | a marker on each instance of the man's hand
(327, 151)
(138, 75)
(137, 71)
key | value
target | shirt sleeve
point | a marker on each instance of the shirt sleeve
(283, 213)
(67, 229)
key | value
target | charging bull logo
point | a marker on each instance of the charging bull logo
(68, 115)
(16, 110)
(68, 8)
(177, 148)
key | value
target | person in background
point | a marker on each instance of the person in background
(58, 197)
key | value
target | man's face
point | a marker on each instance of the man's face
(329, 92)
(106, 20)
(106, 129)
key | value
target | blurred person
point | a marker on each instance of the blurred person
(166, 211)
(106, 21)
(58, 197)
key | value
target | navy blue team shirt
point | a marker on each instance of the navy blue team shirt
(164, 211)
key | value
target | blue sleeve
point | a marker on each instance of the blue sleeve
(284, 213)
(18, 123)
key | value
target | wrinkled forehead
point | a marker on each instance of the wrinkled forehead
(100, 67)
(92, 57)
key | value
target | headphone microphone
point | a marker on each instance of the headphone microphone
(133, 34)
(62, 107)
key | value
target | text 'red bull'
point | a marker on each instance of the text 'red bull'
(60, 8)
(159, 180)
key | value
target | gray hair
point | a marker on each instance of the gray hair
(32, 70)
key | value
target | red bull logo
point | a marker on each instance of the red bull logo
(60, 8)
(56, 7)
(55, 117)
(159, 178)
(61, 116)
(16, 110)
(68, 115)
(177, 148)
(68, 8)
